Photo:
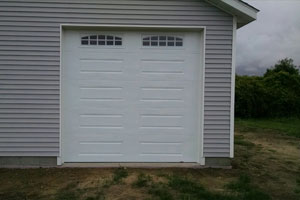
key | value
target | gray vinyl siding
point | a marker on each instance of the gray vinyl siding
(29, 64)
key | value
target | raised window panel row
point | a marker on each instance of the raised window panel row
(163, 41)
(102, 40)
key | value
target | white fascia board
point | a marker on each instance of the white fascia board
(243, 12)
(242, 7)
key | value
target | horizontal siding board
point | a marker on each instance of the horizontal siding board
(29, 72)
(29, 87)
(29, 101)
(217, 112)
(30, 44)
(217, 155)
(29, 111)
(22, 49)
(216, 150)
(22, 149)
(215, 89)
(94, 12)
(26, 120)
(217, 117)
(29, 144)
(218, 70)
(218, 146)
(219, 85)
(29, 92)
(29, 64)
(29, 138)
(29, 53)
(40, 132)
(29, 153)
(141, 15)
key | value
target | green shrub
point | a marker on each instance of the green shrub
(276, 94)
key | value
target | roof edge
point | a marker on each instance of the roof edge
(244, 12)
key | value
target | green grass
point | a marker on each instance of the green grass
(143, 180)
(118, 175)
(240, 140)
(183, 188)
(288, 126)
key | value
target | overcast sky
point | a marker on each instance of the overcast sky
(275, 35)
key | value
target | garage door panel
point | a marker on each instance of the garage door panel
(102, 93)
(94, 104)
(104, 65)
(162, 93)
(161, 120)
(160, 148)
(101, 147)
(130, 103)
(161, 130)
(102, 120)
(161, 67)
(165, 157)
(97, 157)
(167, 94)
(100, 132)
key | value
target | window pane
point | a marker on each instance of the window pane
(154, 43)
(118, 43)
(109, 37)
(101, 42)
(84, 42)
(93, 37)
(118, 38)
(170, 43)
(109, 42)
(162, 44)
(85, 38)
(179, 39)
(179, 44)
(93, 42)
(146, 43)
(171, 38)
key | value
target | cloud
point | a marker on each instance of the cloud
(274, 36)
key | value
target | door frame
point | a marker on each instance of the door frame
(86, 27)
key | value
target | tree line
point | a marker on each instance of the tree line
(275, 94)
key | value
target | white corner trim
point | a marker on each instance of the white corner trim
(201, 161)
(233, 87)
(59, 160)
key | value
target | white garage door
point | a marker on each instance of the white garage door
(131, 96)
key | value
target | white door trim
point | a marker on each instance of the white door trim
(201, 159)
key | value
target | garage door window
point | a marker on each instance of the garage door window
(162, 41)
(101, 40)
